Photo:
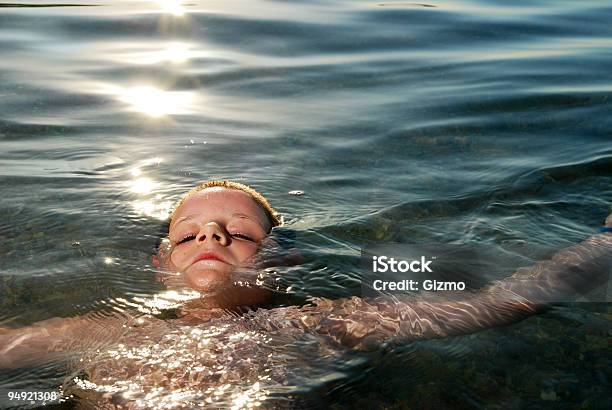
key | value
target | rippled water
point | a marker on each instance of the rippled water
(454, 121)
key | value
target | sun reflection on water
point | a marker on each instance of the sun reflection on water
(148, 203)
(174, 7)
(152, 209)
(176, 52)
(143, 185)
(170, 299)
(155, 102)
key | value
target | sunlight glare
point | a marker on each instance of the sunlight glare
(176, 53)
(174, 7)
(142, 185)
(157, 210)
(166, 300)
(155, 102)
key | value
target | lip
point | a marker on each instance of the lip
(208, 255)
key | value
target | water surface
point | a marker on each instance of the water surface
(486, 123)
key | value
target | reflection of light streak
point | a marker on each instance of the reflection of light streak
(159, 210)
(173, 7)
(166, 300)
(142, 185)
(176, 52)
(249, 398)
(155, 102)
(136, 171)
(154, 206)
(153, 161)
(138, 53)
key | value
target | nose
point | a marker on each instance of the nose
(212, 231)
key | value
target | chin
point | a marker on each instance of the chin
(208, 280)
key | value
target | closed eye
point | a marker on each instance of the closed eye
(186, 239)
(242, 236)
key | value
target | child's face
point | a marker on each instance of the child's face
(212, 232)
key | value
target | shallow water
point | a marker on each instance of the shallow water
(470, 122)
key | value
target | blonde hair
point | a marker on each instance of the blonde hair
(273, 216)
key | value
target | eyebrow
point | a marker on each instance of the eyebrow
(234, 215)
(243, 216)
(184, 218)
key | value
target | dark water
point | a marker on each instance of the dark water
(454, 121)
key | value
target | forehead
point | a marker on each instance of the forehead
(221, 202)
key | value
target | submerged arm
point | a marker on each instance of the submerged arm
(362, 323)
(58, 338)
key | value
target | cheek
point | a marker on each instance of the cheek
(179, 257)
